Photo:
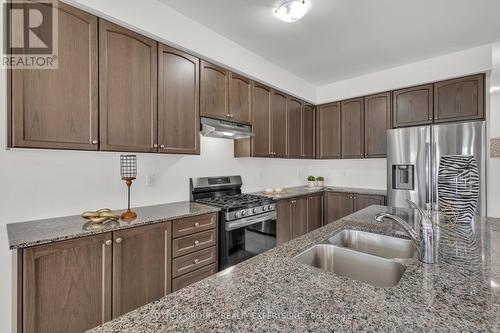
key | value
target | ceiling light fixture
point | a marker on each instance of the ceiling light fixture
(291, 10)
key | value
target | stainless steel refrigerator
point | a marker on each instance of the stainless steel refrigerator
(414, 155)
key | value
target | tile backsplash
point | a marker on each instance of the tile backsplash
(495, 147)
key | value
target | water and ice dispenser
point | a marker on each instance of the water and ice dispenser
(403, 177)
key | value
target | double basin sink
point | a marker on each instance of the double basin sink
(363, 256)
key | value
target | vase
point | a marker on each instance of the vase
(458, 187)
(312, 183)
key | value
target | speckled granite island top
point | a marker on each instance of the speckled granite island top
(297, 191)
(30, 233)
(274, 293)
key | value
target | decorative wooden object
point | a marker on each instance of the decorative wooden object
(128, 171)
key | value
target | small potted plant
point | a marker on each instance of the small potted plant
(312, 181)
(320, 180)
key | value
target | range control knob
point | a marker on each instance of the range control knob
(264, 208)
(254, 210)
(237, 214)
(269, 207)
(243, 213)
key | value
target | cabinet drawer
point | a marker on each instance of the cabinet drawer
(193, 261)
(194, 224)
(192, 243)
(190, 278)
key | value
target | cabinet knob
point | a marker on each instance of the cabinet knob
(118, 240)
(108, 242)
(155, 145)
(196, 243)
(94, 142)
(162, 146)
(196, 261)
(196, 224)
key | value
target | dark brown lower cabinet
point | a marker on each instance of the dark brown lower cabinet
(284, 222)
(364, 200)
(75, 285)
(299, 216)
(337, 206)
(341, 204)
(140, 270)
(66, 286)
(314, 212)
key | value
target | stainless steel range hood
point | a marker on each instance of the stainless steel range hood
(224, 129)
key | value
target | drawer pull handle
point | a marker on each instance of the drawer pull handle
(108, 242)
(118, 240)
(197, 224)
(196, 261)
(196, 243)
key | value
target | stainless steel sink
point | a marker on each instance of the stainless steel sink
(359, 266)
(379, 245)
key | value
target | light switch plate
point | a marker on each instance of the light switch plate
(150, 180)
(495, 147)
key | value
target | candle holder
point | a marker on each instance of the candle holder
(128, 172)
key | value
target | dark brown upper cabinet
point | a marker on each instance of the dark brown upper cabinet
(68, 279)
(214, 91)
(294, 131)
(261, 123)
(308, 131)
(127, 87)
(459, 99)
(240, 96)
(413, 106)
(329, 131)
(178, 96)
(58, 108)
(352, 128)
(377, 122)
(141, 266)
(279, 124)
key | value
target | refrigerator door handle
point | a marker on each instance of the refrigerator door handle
(428, 178)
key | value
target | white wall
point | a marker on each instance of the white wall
(452, 65)
(494, 132)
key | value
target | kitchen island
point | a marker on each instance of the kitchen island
(274, 293)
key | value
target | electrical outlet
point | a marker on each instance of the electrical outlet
(150, 180)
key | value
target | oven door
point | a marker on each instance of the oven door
(247, 237)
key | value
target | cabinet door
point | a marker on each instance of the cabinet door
(352, 128)
(214, 91)
(364, 200)
(57, 108)
(67, 285)
(239, 98)
(127, 87)
(284, 221)
(178, 91)
(338, 205)
(299, 217)
(459, 99)
(314, 212)
(279, 124)
(413, 106)
(261, 123)
(377, 122)
(329, 131)
(141, 266)
(294, 131)
(308, 131)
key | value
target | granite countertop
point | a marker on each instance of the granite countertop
(37, 232)
(297, 191)
(274, 293)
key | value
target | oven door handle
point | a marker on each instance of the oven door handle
(250, 220)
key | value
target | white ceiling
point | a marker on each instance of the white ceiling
(340, 39)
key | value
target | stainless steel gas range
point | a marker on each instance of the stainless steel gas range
(247, 222)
